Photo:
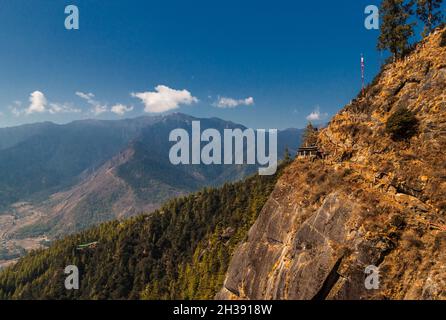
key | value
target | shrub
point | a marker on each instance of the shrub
(402, 124)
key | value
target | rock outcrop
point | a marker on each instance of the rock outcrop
(371, 204)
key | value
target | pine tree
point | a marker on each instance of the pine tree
(287, 155)
(310, 135)
(395, 29)
(428, 11)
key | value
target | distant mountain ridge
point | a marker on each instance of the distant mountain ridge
(61, 179)
(49, 157)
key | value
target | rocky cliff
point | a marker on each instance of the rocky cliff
(371, 203)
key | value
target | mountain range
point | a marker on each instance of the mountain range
(60, 179)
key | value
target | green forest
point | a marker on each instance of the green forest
(180, 251)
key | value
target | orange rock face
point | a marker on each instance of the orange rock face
(372, 202)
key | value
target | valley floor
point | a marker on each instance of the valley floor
(12, 244)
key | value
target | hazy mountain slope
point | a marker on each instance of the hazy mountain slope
(52, 157)
(37, 160)
(286, 140)
(151, 160)
(179, 251)
(138, 178)
(13, 135)
(372, 202)
(102, 196)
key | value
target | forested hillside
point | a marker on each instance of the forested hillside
(180, 251)
(57, 180)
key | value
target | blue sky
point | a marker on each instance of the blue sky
(265, 64)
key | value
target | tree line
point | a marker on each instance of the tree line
(397, 27)
(181, 251)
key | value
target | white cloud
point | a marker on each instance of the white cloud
(224, 102)
(38, 103)
(62, 108)
(86, 96)
(164, 99)
(120, 109)
(97, 107)
(316, 115)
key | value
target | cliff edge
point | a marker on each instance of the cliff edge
(373, 204)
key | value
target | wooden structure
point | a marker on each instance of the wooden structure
(91, 245)
(310, 152)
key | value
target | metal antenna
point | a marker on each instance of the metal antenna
(362, 73)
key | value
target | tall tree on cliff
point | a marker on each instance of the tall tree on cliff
(310, 135)
(395, 28)
(429, 12)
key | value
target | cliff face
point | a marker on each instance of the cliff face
(371, 202)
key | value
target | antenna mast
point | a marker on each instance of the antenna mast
(362, 73)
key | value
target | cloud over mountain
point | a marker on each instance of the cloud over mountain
(120, 109)
(164, 99)
(97, 107)
(225, 102)
(38, 103)
(316, 115)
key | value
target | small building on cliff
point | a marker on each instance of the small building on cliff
(310, 152)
